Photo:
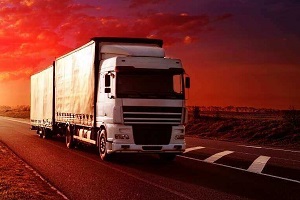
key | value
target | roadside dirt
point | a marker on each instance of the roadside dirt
(19, 181)
(268, 132)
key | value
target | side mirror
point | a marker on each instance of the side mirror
(107, 90)
(187, 82)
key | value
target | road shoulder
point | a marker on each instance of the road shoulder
(19, 181)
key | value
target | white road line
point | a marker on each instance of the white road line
(193, 149)
(217, 156)
(258, 165)
(275, 149)
(240, 169)
(254, 147)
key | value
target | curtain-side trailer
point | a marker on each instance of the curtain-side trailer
(121, 94)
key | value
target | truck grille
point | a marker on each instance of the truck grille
(152, 115)
(152, 134)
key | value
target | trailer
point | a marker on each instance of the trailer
(120, 94)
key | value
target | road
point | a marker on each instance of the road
(208, 170)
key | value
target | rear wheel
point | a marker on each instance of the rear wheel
(102, 146)
(48, 133)
(41, 132)
(69, 138)
(167, 156)
(45, 133)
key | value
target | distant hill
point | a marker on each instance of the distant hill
(22, 111)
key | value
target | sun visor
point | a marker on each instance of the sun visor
(133, 50)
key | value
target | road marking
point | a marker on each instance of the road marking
(240, 169)
(217, 156)
(255, 147)
(275, 149)
(259, 164)
(193, 149)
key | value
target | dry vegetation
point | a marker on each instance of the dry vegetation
(18, 181)
(271, 127)
(16, 112)
(240, 124)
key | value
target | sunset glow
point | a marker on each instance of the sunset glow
(240, 53)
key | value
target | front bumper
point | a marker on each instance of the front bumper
(175, 145)
(133, 148)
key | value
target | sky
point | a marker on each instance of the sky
(237, 52)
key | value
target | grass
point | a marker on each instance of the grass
(273, 129)
(15, 112)
(17, 181)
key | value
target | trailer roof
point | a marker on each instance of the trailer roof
(129, 40)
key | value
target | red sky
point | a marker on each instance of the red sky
(238, 52)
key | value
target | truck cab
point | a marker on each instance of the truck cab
(141, 100)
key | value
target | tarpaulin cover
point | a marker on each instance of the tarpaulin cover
(74, 83)
(42, 98)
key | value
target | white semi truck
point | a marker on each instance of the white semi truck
(121, 94)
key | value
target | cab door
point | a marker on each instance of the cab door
(106, 97)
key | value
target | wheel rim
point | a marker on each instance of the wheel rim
(102, 145)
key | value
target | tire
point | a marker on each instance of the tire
(41, 132)
(102, 146)
(69, 138)
(167, 156)
(46, 134)
(38, 131)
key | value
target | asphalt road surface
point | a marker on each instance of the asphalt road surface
(207, 170)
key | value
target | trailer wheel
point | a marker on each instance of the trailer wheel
(40, 132)
(167, 156)
(48, 133)
(45, 133)
(102, 146)
(69, 138)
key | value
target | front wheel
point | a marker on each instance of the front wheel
(102, 146)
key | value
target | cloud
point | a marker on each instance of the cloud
(174, 27)
(140, 3)
(15, 75)
(187, 40)
(34, 32)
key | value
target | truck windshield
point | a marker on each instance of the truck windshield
(150, 84)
